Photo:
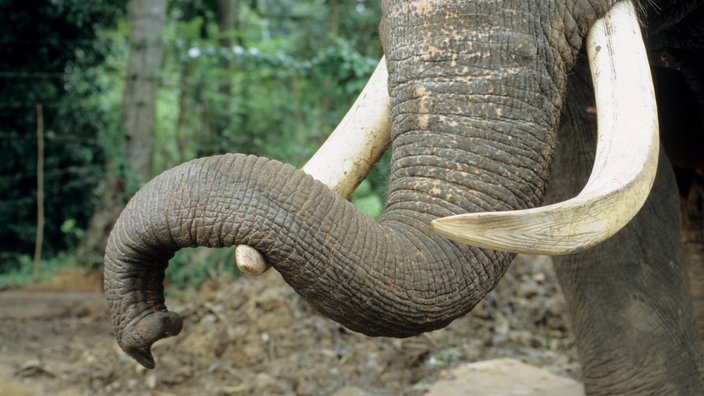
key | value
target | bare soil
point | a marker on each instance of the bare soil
(257, 336)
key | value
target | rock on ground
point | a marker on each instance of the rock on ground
(503, 377)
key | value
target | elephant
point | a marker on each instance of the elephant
(491, 116)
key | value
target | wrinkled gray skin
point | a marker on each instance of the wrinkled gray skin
(485, 94)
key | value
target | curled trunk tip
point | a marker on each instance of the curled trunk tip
(138, 339)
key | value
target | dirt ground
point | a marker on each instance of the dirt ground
(257, 337)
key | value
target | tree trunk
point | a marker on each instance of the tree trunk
(228, 22)
(132, 166)
(183, 134)
(40, 193)
(147, 19)
(218, 116)
(334, 18)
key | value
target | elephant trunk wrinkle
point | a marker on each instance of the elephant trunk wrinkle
(485, 97)
(391, 277)
(388, 278)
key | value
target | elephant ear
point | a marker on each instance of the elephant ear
(625, 165)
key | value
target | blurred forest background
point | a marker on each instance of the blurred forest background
(97, 97)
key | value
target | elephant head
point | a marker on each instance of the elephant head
(476, 89)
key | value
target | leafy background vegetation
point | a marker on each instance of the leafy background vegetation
(274, 84)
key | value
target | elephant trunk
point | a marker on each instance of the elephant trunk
(474, 112)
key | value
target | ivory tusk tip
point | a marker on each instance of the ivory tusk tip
(454, 227)
(514, 232)
(250, 261)
(450, 228)
(484, 230)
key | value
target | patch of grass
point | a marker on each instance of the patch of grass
(24, 276)
(444, 357)
(190, 268)
(367, 201)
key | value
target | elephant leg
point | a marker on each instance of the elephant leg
(692, 209)
(630, 305)
(682, 130)
(628, 297)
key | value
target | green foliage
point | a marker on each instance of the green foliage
(22, 275)
(190, 268)
(370, 196)
(275, 85)
(277, 89)
(111, 73)
(70, 227)
(49, 55)
(366, 200)
(444, 357)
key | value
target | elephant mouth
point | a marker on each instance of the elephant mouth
(621, 179)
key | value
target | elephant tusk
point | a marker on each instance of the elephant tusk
(363, 135)
(347, 156)
(625, 164)
(250, 261)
